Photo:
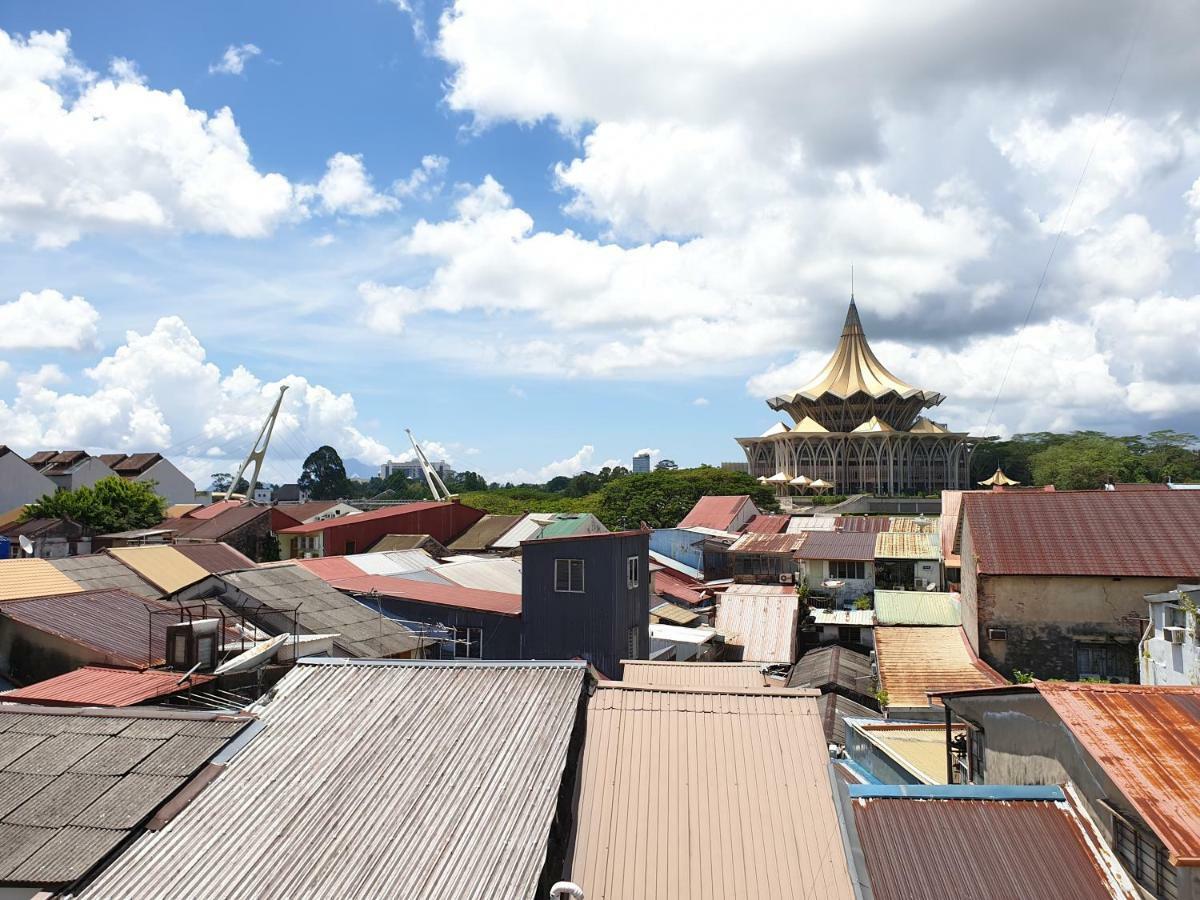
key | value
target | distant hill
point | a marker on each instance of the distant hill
(359, 470)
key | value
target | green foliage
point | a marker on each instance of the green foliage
(1085, 462)
(220, 483)
(324, 475)
(863, 602)
(111, 504)
(881, 697)
(519, 500)
(1020, 677)
(663, 497)
(268, 550)
(467, 481)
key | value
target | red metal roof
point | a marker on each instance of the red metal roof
(840, 545)
(98, 686)
(762, 524)
(385, 513)
(666, 584)
(215, 509)
(330, 568)
(439, 594)
(1115, 533)
(715, 512)
(1147, 739)
(215, 527)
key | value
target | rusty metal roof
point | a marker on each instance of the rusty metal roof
(767, 524)
(163, 566)
(907, 545)
(842, 545)
(715, 512)
(699, 675)
(915, 660)
(215, 558)
(75, 783)
(502, 603)
(1147, 739)
(1113, 533)
(975, 843)
(100, 686)
(763, 626)
(866, 524)
(673, 615)
(111, 622)
(697, 794)
(666, 584)
(767, 543)
(33, 578)
(420, 780)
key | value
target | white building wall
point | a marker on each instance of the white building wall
(85, 474)
(1162, 660)
(171, 484)
(21, 483)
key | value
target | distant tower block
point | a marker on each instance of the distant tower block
(641, 463)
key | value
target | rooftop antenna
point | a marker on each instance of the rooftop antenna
(437, 487)
(259, 451)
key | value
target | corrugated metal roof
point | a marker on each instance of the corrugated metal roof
(71, 788)
(768, 543)
(1147, 739)
(676, 566)
(164, 567)
(715, 512)
(835, 710)
(362, 632)
(32, 578)
(981, 849)
(214, 509)
(215, 558)
(676, 634)
(766, 524)
(915, 525)
(419, 780)
(800, 524)
(907, 545)
(397, 512)
(177, 510)
(391, 562)
(841, 545)
(221, 525)
(99, 570)
(919, 747)
(98, 686)
(763, 626)
(483, 533)
(951, 508)
(698, 675)
(759, 590)
(1153, 534)
(739, 776)
(567, 524)
(851, 618)
(917, 608)
(503, 575)
(674, 615)
(832, 667)
(913, 661)
(665, 584)
(506, 604)
(393, 542)
(864, 524)
(112, 622)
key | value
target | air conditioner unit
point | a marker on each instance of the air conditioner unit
(1175, 634)
(785, 578)
(193, 643)
(997, 634)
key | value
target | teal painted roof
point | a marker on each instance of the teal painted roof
(567, 524)
(917, 608)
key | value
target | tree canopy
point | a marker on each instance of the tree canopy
(662, 497)
(324, 475)
(112, 504)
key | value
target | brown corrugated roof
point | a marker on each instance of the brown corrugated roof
(715, 512)
(100, 686)
(832, 668)
(739, 775)
(405, 780)
(384, 513)
(32, 578)
(697, 675)
(74, 784)
(835, 710)
(1115, 533)
(112, 622)
(763, 626)
(764, 524)
(982, 849)
(135, 464)
(872, 524)
(306, 510)
(484, 533)
(219, 526)
(666, 584)
(215, 558)
(673, 615)
(916, 660)
(768, 543)
(1147, 739)
(907, 545)
(840, 545)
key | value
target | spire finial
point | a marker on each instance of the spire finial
(851, 282)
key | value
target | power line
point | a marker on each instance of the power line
(1065, 219)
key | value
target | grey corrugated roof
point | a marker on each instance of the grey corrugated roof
(69, 784)
(100, 571)
(320, 609)
(397, 779)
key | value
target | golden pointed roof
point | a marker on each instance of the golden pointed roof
(777, 428)
(809, 425)
(925, 426)
(874, 424)
(854, 368)
(998, 479)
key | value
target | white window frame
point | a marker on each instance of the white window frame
(633, 568)
(569, 589)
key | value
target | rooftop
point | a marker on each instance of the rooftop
(398, 779)
(1147, 740)
(32, 578)
(918, 747)
(215, 558)
(832, 668)
(99, 570)
(387, 512)
(163, 566)
(502, 603)
(907, 545)
(749, 801)
(483, 533)
(943, 842)
(835, 709)
(715, 512)
(763, 626)
(764, 524)
(914, 661)
(697, 675)
(77, 784)
(841, 545)
(768, 543)
(101, 686)
(917, 608)
(1112, 533)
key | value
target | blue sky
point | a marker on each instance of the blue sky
(545, 237)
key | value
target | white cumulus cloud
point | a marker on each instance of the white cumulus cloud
(346, 188)
(233, 60)
(47, 321)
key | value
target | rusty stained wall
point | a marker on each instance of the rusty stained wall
(1025, 742)
(1046, 615)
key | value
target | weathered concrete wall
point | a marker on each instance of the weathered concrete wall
(968, 599)
(28, 655)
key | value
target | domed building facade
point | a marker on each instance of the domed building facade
(858, 429)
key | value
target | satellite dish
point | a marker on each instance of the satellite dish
(26, 545)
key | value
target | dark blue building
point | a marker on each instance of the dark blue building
(587, 596)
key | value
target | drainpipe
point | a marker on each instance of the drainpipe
(564, 889)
